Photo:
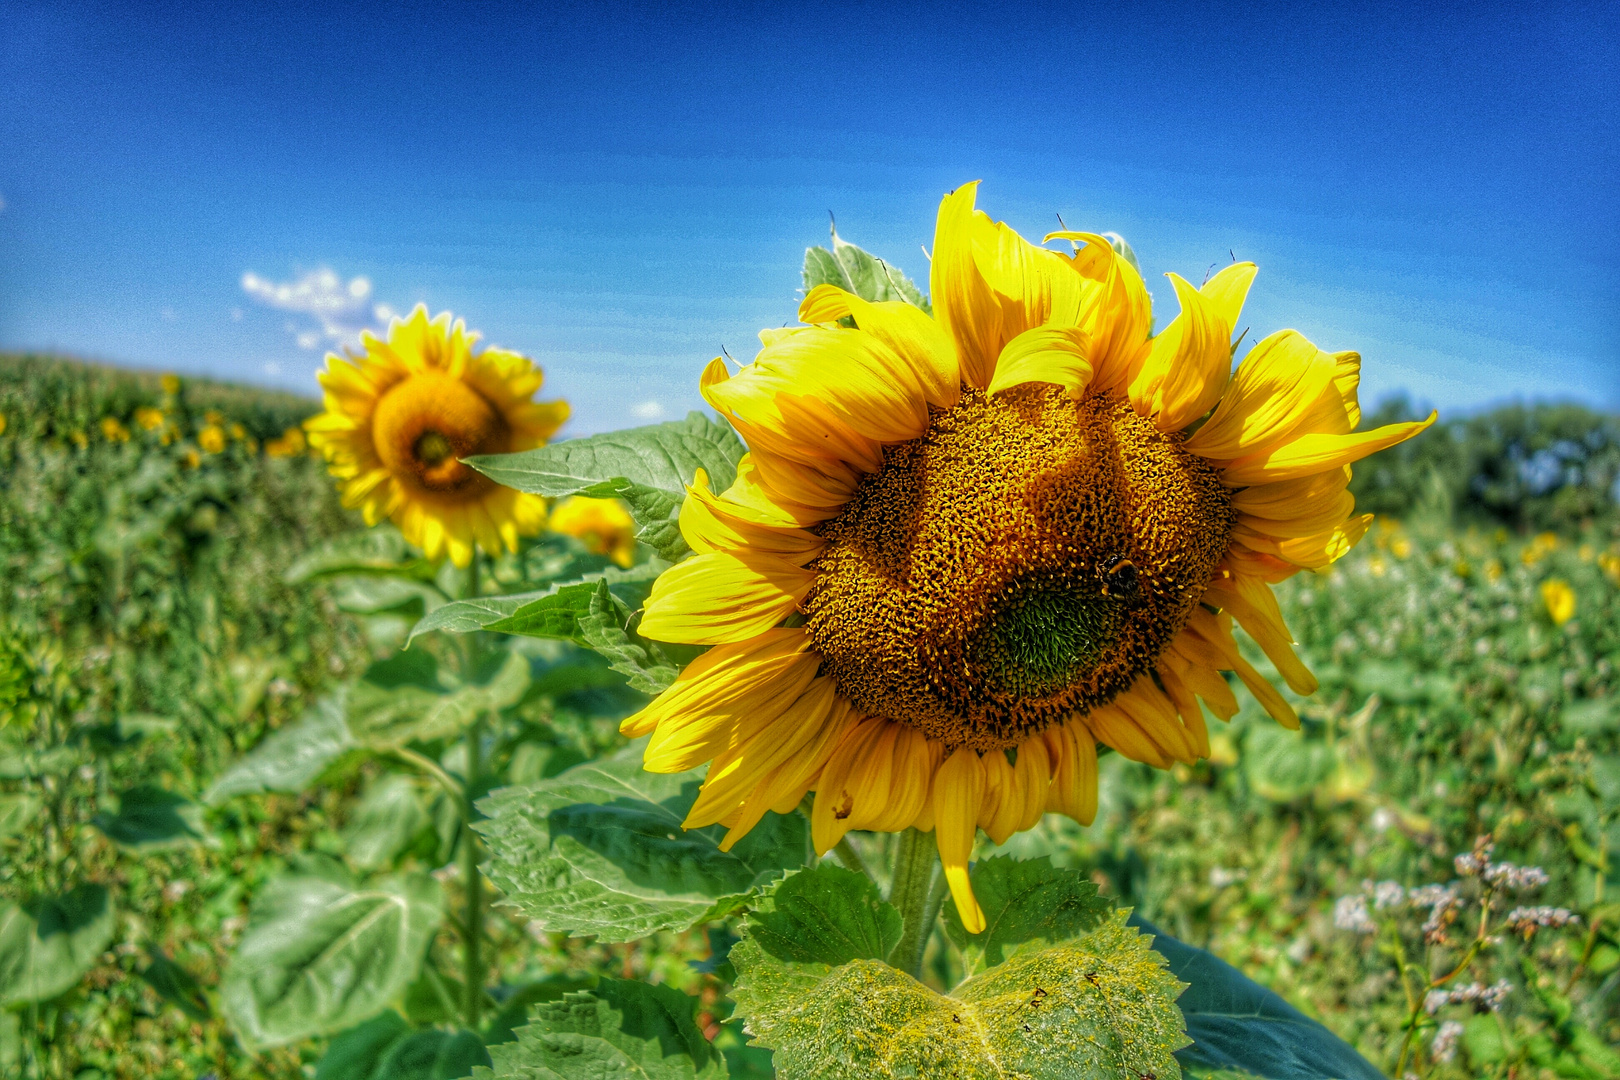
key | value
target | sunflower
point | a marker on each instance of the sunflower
(604, 526)
(400, 417)
(964, 550)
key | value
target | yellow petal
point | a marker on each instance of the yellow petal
(710, 523)
(1269, 396)
(1116, 313)
(1003, 804)
(1188, 365)
(1114, 728)
(1227, 291)
(1072, 750)
(962, 299)
(784, 787)
(734, 773)
(958, 794)
(1251, 602)
(1311, 552)
(767, 501)
(1293, 508)
(715, 598)
(1046, 354)
(914, 337)
(796, 426)
(1310, 454)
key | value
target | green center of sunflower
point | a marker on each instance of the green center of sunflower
(1027, 557)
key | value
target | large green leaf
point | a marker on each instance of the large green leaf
(1101, 1006)
(620, 1029)
(391, 713)
(379, 550)
(605, 626)
(859, 272)
(48, 944)
(290, 759)
(600, 850)
(647, 467)
(827, 915)
(356, 1054)
(520, 1000)
(1284, 765)
(149, 817)
(385, 821)
(1026, 904)
(1235, 1023)
(433, 1055)
(319, 956)
(18, 811)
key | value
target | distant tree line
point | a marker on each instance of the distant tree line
(1527, 467)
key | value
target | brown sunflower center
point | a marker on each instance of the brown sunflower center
(1026, 557)
(426, 423)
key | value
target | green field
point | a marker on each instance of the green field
(150, 635)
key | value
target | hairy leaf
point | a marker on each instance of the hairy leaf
(827, 915)
(1026, 904)
(319, 956)
(1235, 1023)
(600, 850)
(621, 1028)
(647, 467)
(856, 271)
(290, 759)
(385, 821)
(149, 817)
(1101, 1006)
(356, 1054)
(384, 715)
(433, 1055)
(48, 944)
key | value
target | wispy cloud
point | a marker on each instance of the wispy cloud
(341, 309)
(647, 410)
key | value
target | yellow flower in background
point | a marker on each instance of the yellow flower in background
(1538, 548)
(191, 459)
(2, 423)
(1401, 548)
(237, 432)
(171, 384)
(113, 430)
(211, 439)
(400, 418)
(289, 443)
(79, 439)
(1493, 571)
(1608, 562)
(604, 526)
(148, 419)
(1560, 600)
(998, 543)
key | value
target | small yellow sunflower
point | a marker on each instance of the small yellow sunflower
(963, 550)
(604, 526)
(211, 438)
(400, 418)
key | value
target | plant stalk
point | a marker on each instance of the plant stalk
(915, 863)
(473, 923)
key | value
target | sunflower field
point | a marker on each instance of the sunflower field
(993, 688)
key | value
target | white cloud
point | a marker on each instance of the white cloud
(647, 410)
(341, 308)
(272, 368)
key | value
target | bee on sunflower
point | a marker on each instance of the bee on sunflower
(402, 415)
(965, 549)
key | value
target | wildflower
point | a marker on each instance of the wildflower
(1400, 547)
(1560, 600)
(113, 430)
(237, 432)
(1527, 920)
(148, 418)
(289, 443)
(1443, 903)
(400, 418)
(1539, 548)
(79, 439)
(214, 417)
(1483, 998)
(1444, 1046)
(1387, 894)
(1003, 545)
(1608, 562)
(2, 423)
(1516, 878)
(211, 438)
(1350, 913)
(191, 459)
(604, 526)
(1474, 863)
(171, 384)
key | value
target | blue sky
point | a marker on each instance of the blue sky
(622, 190)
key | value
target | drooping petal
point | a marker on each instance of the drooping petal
(1072, 750)
(958, 794)
(1251, 602)
(1046, 354)
(1296, 508)
(1310, 552)
(1310, 454)
(715, 598)
(735, 772)
(784, 787)
(796, 426)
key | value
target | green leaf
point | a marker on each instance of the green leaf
(605, 628)
(647, 467)
(48, 944)
(827, 915)
(547, 613)
(600, 850)
(20, 762)
(319, 956)
(380, 550)
(856, 271)
(175, 984)
(357, 1053)
(515, 1006)
(17, 812)
(1283, 765)
(1026, 904)
(434, 1055)
(1099, 1006)
(1236, 1023)
(386, 595)
(385, 821)
(289, 760)
(149, 817)
(622, 1028)
(383, 715)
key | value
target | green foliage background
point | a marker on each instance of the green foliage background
(148, 638)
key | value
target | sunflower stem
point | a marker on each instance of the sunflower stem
(915, 863)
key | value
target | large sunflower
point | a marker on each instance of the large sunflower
(963, 550)
(400, 417)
